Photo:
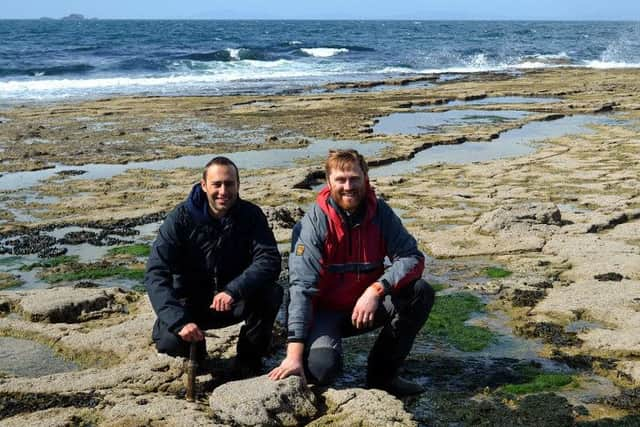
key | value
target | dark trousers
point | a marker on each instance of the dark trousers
(258, 312)
(401, 317)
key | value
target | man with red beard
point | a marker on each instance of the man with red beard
(340, 286)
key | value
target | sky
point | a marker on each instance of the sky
(628, 10)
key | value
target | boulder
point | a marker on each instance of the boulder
(505, 230)
(68, 305)
(360, 407)
(506, 217)
(263, 402)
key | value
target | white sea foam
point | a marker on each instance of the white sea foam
(295, 42)
(223, 76)
(397, 70)
(610, 64)
(323, 52)
(234, 53)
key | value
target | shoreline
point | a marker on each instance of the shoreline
(559, 219)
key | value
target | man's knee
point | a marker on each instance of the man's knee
(168, 342)
(323, 365)
(425, 294)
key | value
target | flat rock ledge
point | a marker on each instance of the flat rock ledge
(505, 230)
(67, 304)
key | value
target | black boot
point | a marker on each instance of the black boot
(248, 362)
(246, 367)
(395, 385)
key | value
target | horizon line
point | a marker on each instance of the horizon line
(86, 18)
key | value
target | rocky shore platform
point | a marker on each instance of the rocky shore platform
(557, 231)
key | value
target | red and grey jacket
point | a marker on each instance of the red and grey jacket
(334, 259)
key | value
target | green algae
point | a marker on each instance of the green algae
(540, 383)
(496, 272)
(437, 287)
(51, 262)
(447, 321)
(137, 250)
(92, 272)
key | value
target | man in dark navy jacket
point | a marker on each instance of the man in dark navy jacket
(214, 263)
(340, 285)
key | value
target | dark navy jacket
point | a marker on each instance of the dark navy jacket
(196, 255)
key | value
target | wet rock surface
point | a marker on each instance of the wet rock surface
(283, 216)
(504, 210)
(15, 403)
(550, 333)
(608, 277)
(71, 172)
(362, 407)
(558, 412)
(526, 298)
(30, 244)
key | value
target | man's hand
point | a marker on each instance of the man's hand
(222, 302)
(365, 309)
(291, 365)
(191, 332)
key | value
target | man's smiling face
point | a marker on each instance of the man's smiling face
(347, 186)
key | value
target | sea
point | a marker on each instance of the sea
(50, 60)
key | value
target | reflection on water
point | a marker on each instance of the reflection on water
(512, 143)
(26, 358)
(245, 160)
(416, 123)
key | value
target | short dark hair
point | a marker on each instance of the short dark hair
(221, 161)
(339, 159)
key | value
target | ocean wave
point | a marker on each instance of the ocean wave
(323, 52)
(57, 70)
(139, 64)
(226, 76)
(625, 49)
(397, 70)
(611, 64)
(561, 58)
(229, 54)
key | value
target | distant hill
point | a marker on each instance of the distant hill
(73, 17)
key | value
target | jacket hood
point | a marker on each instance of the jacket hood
(198, 205)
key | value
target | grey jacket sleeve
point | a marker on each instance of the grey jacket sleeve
(304, 272)
(407, 262)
